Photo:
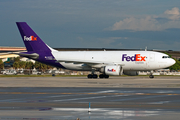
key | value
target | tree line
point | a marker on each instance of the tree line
(176, 66)
(30, 65)
(26, 65)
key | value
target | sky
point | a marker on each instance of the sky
(118, 24)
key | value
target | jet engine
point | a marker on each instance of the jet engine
(131, 73)
(112, 70)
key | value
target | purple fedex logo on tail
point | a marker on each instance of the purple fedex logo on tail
(136, 57)
(31, 38)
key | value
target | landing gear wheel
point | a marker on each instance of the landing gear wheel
(89, 76)
(94, 76)
(103, 76)
(106, 76)
(151, 76)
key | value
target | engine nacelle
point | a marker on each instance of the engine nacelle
(131, 73)
(112, 70)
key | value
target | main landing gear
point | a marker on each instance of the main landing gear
(92, 76)
(96, 76)
(103, 76)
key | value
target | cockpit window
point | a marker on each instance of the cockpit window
(165, 57)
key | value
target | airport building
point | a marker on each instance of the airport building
(5, 52)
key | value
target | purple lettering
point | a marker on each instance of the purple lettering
(124, 56)
(128, 58)
(133, 58)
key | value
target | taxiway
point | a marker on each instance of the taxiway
(116, 98)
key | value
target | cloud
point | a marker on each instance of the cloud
(173, 13)
(149, 23)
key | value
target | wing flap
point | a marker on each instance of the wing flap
(80, 61)
(90, 63)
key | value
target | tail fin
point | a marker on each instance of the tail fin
(36, 48)
(31, 40)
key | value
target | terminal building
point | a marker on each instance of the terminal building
(4, 52)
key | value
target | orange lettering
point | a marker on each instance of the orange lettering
(137, 57)
(143, 58)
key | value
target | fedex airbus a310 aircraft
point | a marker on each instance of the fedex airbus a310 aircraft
(106, 62)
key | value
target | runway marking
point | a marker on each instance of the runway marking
(41, 93)
(79, 99)
(146, 97)
(73, 99)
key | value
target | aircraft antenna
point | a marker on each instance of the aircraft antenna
(146, 48)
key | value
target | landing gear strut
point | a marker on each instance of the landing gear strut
(92, 75)
(151, 75)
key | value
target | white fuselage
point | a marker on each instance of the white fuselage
(129, 60)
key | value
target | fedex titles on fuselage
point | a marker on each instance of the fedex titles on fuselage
(111, 70)
(136, 57)
(31, 38)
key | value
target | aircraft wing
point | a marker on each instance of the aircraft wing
(90, 62)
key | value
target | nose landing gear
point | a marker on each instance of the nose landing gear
(151, 75)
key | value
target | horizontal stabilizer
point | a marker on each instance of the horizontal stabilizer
(29, 55)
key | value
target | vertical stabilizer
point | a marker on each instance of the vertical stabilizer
(36, 48)
(31, 40)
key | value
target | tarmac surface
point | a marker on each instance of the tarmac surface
(68, 98)
(119, 82)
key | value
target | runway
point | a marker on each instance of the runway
(70, 103)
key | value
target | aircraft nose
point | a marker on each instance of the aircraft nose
(172, 61)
